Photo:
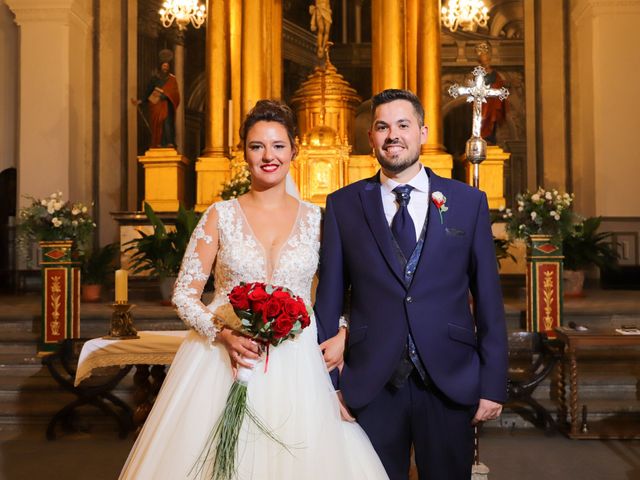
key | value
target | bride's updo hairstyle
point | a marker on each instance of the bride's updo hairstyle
(270, 111)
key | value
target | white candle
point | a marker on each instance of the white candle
(230, 124)
(122, 288)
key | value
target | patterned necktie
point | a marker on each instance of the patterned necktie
(402, 225)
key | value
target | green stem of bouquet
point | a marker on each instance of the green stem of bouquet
(224, 436)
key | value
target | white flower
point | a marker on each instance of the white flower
(520, 208)
(501, 208)
(74, 223)
(50, 209)
(548, 196)
(56, 222)
(533, 215)
(54, 195)
(535, 197)
(43, 202)
(521, 227)
(553, 213)
(75, 211)
(57, 206)
(557, 217)
(520, 203)
(84, 209)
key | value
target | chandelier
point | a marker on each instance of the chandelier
(183, 12)
(466, 14)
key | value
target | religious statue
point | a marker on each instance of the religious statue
(162, 98)
(321, 22)
(494, 110)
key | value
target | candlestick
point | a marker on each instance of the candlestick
(122, 322)
(122, 288)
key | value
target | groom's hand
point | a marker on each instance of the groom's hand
(487, 410)
(333, 350)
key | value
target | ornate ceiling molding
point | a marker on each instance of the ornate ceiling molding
(50, 11)
(592, 9)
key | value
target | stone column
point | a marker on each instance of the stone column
(212, 169)
(429, 87)
(388, 45)
(55, 98)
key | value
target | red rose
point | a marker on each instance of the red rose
(291, 307)
(272, 309)
(282, 325)
(258, 296)
(238, 297)
(281, 294)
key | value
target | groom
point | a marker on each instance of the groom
(420, 368)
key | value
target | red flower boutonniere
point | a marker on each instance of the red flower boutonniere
(439, 201)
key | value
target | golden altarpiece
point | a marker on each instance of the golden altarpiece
(244, 63)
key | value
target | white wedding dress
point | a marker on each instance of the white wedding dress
(294, 397)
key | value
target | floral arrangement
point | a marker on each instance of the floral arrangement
(269, 315)
(53, 218)
(240, 182)
(543, 212)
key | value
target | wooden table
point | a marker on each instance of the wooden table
(150, 354)
(575, 340)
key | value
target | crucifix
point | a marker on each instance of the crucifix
(477, 92)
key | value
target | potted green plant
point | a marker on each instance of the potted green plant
(97, 265)
(160, 253)
(583, 247)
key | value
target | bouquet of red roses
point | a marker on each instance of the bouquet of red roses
(269, 315)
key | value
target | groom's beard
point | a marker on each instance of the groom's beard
(397, 164)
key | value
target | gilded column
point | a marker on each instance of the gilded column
(428, 86)
(254, 76)
(212, 169)
(388, 49)
(274, 29)
(235, 63)
(411, 21)
(217, 78)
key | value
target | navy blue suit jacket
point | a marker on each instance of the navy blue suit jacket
(464, 354)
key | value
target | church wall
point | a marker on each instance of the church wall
(605, 57)
(53, 99)
(80, 103)
(615, 111)
(9, 91)
(110, 122)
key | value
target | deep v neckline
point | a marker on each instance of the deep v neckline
(273, 261)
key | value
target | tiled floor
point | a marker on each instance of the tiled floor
(518, 455)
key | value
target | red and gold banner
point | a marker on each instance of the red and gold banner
(544, 285)
(60, 294)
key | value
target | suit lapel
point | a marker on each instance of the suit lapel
(435, 229)
(374, 215)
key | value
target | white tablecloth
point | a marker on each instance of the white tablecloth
(152, 348)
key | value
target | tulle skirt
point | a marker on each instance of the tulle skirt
(294, 398)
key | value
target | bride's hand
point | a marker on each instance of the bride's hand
(333, 350)
(344, 410)
(239, 347)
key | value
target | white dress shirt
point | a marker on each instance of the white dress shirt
(418, 205)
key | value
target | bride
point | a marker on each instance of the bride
(269, 236)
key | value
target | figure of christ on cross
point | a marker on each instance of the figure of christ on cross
(477, 92)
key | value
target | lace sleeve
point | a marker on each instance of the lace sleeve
(194, 272)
